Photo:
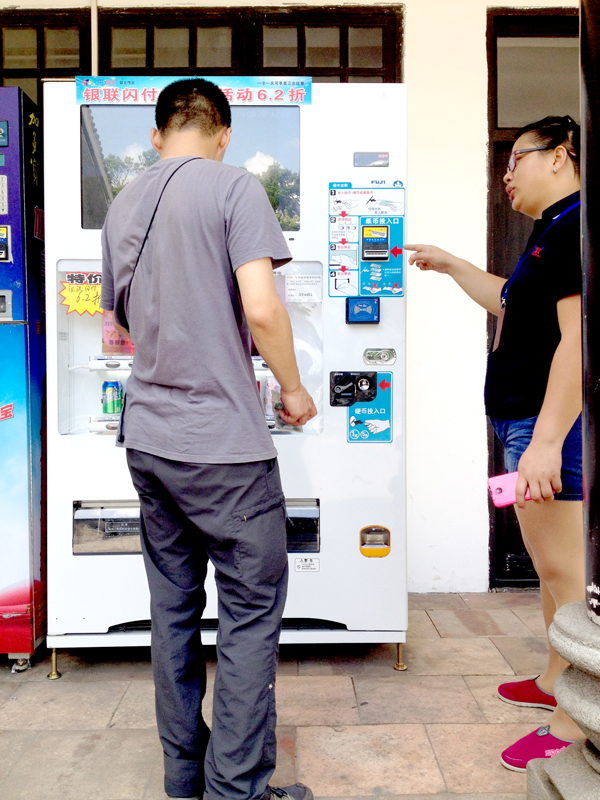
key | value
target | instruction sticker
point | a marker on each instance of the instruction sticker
(307, 565)
(373, 421)
(303, 289)
(366, 236)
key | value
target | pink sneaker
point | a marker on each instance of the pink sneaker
(526, 693)
(537, 744)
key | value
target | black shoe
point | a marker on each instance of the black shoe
(296, 792)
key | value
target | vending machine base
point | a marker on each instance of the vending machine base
(209, 637)
(142, 639)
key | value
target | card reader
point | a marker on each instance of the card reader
(362, 311)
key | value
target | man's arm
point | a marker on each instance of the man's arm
(271, 331)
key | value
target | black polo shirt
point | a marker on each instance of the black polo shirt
(550, 269)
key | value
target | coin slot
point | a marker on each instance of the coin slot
(375, 541)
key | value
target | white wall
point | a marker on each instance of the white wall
(446, 74)
(445, 66)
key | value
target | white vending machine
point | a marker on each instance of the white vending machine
(332, 158)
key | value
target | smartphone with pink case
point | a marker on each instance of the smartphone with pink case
(503, 489)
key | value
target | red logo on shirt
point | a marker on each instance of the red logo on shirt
(537, 252)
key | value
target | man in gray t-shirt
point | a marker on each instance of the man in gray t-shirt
(188, 253)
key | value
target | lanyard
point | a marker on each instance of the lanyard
(529, 251)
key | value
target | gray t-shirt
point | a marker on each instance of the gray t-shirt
(192, 395)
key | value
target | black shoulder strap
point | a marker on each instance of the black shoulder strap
(125, 302)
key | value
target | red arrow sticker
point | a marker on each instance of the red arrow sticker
(384, 385)
(344, 214)
(396, 251)
(343, 241)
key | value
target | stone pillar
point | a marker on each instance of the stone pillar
(590, 215)
(574, 774)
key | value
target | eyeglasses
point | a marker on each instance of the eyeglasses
(512, 161)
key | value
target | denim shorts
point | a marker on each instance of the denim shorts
(516, 434)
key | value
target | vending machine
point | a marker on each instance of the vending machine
(332, 159)
(22, 384)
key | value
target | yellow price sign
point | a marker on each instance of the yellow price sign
(81, 293)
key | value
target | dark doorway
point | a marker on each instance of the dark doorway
(533, 68)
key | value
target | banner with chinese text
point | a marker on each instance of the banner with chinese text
(239, 90)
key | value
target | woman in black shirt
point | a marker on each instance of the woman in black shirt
(533, 391)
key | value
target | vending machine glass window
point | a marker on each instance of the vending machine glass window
(115, 147)
(94, 359)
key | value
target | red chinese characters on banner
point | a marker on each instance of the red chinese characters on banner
(111, 94)
(276, 95)
(91, 95)
(7, 411)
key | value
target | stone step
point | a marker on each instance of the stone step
(572, 776)
(579, 695)
(539, 785)
(592, 756)
(576, 637)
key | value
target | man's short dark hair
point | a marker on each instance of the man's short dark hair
(192, 103)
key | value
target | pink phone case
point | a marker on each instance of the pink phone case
(503, 489)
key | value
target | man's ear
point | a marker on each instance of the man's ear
(223, 142)
(156, 140)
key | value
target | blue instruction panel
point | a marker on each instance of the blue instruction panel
(366, 240)
(373, 421)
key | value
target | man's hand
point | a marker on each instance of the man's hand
(298, 407)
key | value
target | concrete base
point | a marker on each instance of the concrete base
(574, 774)
(539, 785)
(578, 693)
(576, 637)
(567, 775)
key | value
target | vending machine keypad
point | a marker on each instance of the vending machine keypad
(3, 193)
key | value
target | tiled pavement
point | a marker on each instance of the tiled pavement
(349, 725)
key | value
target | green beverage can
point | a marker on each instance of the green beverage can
(112, 397)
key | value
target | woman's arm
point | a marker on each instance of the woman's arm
(540, 464)
(481, 286)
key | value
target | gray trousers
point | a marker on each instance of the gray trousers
(234, 515)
